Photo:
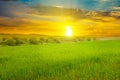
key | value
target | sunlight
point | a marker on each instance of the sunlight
(68, 31)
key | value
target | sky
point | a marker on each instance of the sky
(17, 16)
(9, 8)
(84, 4)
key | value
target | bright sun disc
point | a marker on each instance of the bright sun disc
(68, 31)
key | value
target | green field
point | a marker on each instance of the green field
(87, 60)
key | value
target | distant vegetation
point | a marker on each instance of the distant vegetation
(16, 40)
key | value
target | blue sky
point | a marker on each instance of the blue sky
(9, 8)
(84, 4)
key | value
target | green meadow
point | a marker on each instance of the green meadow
(85, 60)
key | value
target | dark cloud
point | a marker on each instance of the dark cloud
(9, 0)
(12, 9)
(14, 22)
(12, 13)
(7, 9)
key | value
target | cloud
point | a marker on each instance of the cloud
(105, 0)
(9, 0)
(13, 9)
(14, 22)
(116, 8)
(12, 14)
(16, 14)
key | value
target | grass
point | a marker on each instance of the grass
(94, 60)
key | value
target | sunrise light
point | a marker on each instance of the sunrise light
(69, 31)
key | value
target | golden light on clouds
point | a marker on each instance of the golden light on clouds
(61, 26)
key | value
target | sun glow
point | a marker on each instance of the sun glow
(69, 31)
(60, 6)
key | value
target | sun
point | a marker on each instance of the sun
(69, 31)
